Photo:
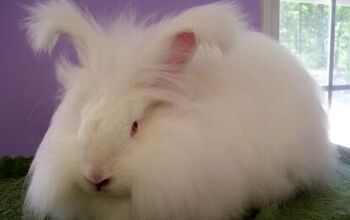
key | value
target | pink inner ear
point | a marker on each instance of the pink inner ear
(181, 49)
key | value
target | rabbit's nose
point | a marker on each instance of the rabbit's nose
(98, 181)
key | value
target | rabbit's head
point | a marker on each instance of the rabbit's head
(127, 72)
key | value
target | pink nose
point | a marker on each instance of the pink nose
(98, 181)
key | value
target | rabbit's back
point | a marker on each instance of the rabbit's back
(270, 109)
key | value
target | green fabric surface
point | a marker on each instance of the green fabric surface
(333, 203)
(329, 204)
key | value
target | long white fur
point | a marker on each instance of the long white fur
(48, 20)
(240, 125)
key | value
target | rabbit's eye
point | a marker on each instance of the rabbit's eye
(134, 128)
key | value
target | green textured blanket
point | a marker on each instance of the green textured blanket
(329, 204)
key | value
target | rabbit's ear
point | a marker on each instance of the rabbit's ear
(175, 41)
(169, 49)
(180, 51)
(48, 20)
(213, 24)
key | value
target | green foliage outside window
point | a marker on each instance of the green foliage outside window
(304, 30)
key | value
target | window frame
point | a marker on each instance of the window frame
(270, 18)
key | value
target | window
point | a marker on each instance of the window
(318, 33)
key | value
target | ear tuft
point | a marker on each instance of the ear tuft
(47, 20)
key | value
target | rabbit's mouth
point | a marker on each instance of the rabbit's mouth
(107, 188)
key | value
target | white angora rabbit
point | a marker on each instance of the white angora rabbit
(193, 117)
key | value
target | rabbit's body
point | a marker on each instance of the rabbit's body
(233, 125)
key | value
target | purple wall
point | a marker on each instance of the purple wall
(27, 82)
